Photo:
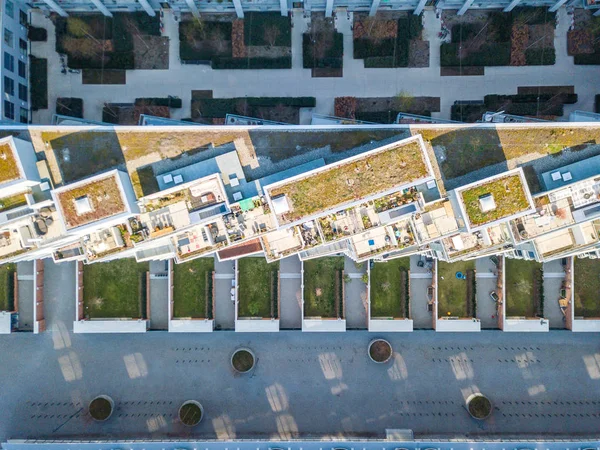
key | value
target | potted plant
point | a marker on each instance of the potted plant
(380, 351)
(243, 360)
(101, 408)
(479, 406)
(191, 413)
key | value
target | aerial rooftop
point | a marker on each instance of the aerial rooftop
(500, 197)
(90, 201)
(378, 172)
(9, 167)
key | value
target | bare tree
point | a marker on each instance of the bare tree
(271, 34)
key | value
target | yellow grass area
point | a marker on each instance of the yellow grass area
(104, 196)
(373, 174)
(9, 169)
(509, 196)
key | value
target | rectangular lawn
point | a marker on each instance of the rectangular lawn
(587, 287)
(257, 287)
(115, 289)
(388, 288)
(7, 286)
(322, 277)
(522, 289)
(190, 288)
(453, 293)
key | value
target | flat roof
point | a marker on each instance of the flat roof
(104, 194)
(9, 166)
(376, 172)
(578, 171)
(496, 198)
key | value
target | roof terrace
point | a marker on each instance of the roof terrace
(364, 177)
(501, 197)
(436, 220)
(463, 244)
(568, 240)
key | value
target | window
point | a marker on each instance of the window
(23, 18)
(9, 86)
(9, 8)
(9, 62)
(24, 116)
(22, 69)
(23, 47)
(22, 92)
(8, 37)
(9, 110)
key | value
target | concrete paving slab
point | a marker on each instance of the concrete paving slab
(486, 282)
(291, 294)
(355, 295)
(224, 307)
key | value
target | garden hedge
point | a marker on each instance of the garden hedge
(36, 34)
(587, 59)
(255, 24)
(38, 79)
(597, 103)
(540, 57)
(158, 101)
(220, 107)
(283, 62)
(69, 106)
(379, 62)
(490, 54)
(366, 48)
(334, 57)
(188, 52)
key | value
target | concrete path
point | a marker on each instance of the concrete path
(224, 309)
(355, 295)
(486, 282)
(357, 81)
(290, 316)
(420, 280)
(552, 285)
(305, 384)
(159, 292)
(59, 300)
(25, 286)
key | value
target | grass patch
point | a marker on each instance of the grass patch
(351, 181)
(115, 289)
(12, 202)
(7, 287)
(522, 280)
(509, 196)
(453, 293)
(587, 287)
(389, 288)
(257, 287)
(191, 288)
(9, 170)
(323, 287)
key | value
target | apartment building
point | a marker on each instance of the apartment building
(15, 60)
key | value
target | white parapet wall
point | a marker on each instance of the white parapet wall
(391, 325)
(457, 325)
(249, 325)
(5, 322)
(191, 326)
(323, 325)
(110, 326)
(586, 326)
(526, 325)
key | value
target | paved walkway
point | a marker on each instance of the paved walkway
(486, 282)
(25, 286)
(355, 295)
(181, 79)
(291, 294)
(159, 296)
(554, 276)
(420, 280)
(225, 308)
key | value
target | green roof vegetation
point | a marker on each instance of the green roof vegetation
(257, 288)
(104, 196)
(352, 181)
(389, 288)
(7, 286)
(12, 202)
(9, 168)
(508, 193)
(523, 281)
(587, 287)
(454, 294)
(192, 288)
(323, 287)
(115, 289)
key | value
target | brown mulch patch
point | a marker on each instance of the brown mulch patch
(418, 53)
(373, 28)
(218, 121)
(150, 52)
(519, 38)
(541, 36)
(238, 46)
(580, 42)
(345, 107)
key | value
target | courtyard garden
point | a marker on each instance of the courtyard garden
(323, 287)
(583, 41)
(389, 288)
(38, 74)
(259, 41)
(323, 47)
(7, 288)
(390, 39)
(124, 41)
(193, 289)
(257, 288)
(384, 109)
(524, 36)
(115, 289)
(524, 284)
(456, 289)
(587, 287)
